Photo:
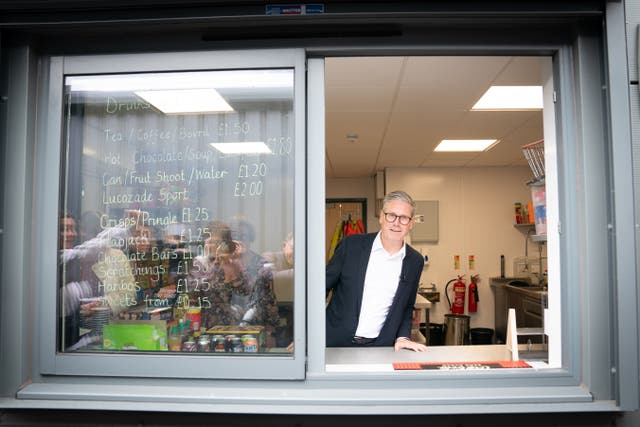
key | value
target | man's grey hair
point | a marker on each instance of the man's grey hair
(399, 195)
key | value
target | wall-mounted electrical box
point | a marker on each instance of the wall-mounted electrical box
(425, 227)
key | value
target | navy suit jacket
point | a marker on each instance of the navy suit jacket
(345, 276)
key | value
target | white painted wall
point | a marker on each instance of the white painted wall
(476, 218)
(476, 210)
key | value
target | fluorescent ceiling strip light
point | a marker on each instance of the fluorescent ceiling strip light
(503, 98)
(182, 80)
(186, 101)
(465, 145)
(258, 147)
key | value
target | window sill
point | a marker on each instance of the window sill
(311, 397)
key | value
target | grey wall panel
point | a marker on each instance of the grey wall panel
(632, 15)
(634, 97)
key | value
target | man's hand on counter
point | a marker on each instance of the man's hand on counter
(409, 345)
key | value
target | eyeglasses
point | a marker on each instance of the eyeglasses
(391, 217)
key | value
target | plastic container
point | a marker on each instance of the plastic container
(539, 198)
(481, 336)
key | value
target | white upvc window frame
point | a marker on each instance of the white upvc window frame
(276, 366)
(600, 359)
(581, 126)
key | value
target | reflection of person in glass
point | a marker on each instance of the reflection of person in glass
(281, 264)
(176, 254)
(216, 276)
(282, 261)
(89, 225)
(73, 288)
(147, 269)
(68, 232)
(95, 277)
(374, 278)
(261, 305)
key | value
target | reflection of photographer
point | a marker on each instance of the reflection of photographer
(238, 280)
(217, 277)
(175, 253)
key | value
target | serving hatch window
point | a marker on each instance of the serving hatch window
(176, 218)
(472, 156)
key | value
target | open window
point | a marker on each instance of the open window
(390, 118)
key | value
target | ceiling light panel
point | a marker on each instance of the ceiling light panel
(190, 92)
(501, 98)
(257, 147)
(248, 79)
(465, 145)
(186, 101)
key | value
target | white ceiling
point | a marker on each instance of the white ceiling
(402, 107)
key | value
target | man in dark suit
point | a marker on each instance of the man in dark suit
(374, 278)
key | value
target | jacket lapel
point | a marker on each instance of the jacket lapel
(363, 262)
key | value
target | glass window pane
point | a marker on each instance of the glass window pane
(177, 213)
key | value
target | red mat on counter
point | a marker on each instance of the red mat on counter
(460, 366)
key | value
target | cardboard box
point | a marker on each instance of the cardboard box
(146, 335)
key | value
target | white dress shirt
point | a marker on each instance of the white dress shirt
(380, 285)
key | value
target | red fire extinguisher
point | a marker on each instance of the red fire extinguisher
(459, 289)
(473, 294)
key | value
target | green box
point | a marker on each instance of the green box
(147, 335)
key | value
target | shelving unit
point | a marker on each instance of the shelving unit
(526, 228)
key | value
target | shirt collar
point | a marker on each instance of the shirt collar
(377, 246)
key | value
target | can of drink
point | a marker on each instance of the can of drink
(236, 345)
(228, 343)
(189, 346)
(250, 344)
(204, 344)
(218, 343)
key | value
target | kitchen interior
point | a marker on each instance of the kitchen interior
(476, 210)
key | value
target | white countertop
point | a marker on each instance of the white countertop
(381, 359)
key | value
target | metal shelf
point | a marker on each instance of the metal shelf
(528, 227)
(530, 331)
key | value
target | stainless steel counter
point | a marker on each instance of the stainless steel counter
(528, 301)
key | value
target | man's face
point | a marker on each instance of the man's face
(399, 212)
(68, 233)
